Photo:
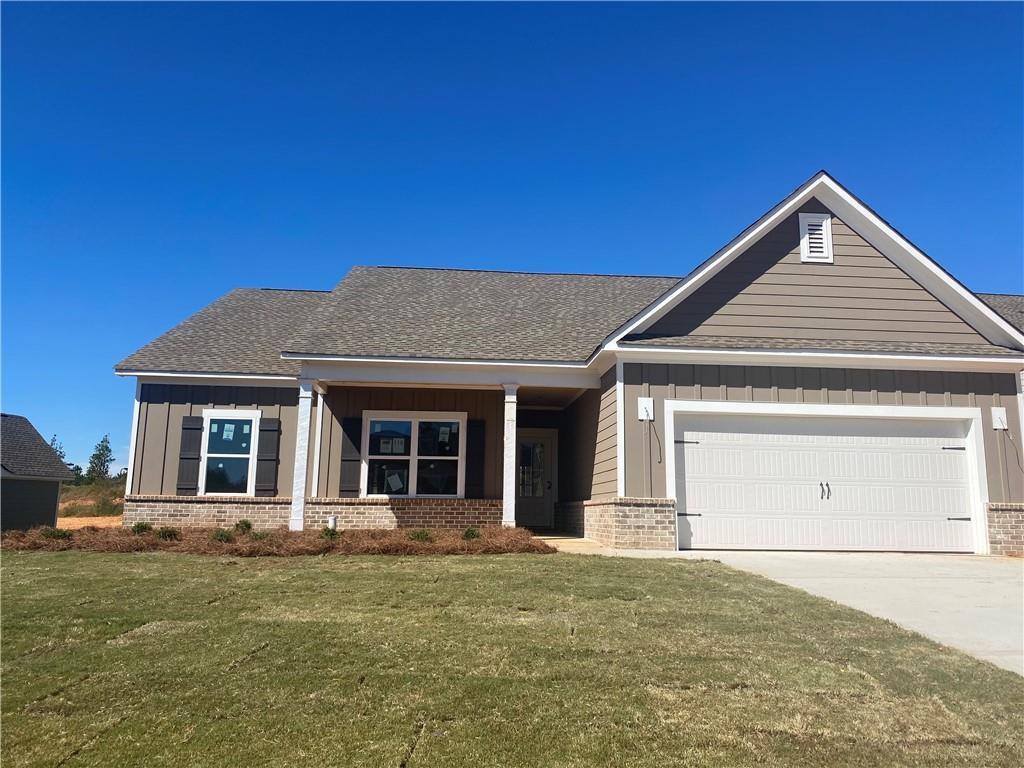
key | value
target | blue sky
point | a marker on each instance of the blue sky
(157, 155)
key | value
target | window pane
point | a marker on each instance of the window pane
(437, 477)
(388, 477)
(229, 436)
(227, 475)
(390, 438)
(438, 438)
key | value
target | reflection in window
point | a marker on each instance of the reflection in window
(410, 455)
(228, 454)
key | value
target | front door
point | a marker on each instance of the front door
(536, 487)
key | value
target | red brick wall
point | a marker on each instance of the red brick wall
(273, 512)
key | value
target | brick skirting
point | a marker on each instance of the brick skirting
(1006, 528)
(623, 522)
(273, 512)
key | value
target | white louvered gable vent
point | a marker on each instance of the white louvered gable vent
(816, 237)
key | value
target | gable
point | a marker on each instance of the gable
(767, 292)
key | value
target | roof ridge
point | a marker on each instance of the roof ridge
(519, 272)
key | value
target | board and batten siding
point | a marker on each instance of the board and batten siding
(644, 441)
(768, 293)
(162, 407)
(342, 402)
(587, 457)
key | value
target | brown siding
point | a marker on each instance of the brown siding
(645, 468)
(587, 449)
(345, 402)
(162, 407)
(768, 293)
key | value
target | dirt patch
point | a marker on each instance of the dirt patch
(74, 523)
(278, 543)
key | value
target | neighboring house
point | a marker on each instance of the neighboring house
(819, 383)
(31, 476)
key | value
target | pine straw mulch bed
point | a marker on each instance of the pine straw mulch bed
(280, 542)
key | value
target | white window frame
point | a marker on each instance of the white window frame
(225, 413)
(826, 231)
(413, 458)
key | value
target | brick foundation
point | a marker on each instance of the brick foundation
(1006, 528)
(623, 522)
(273, 512)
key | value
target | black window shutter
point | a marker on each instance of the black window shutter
(475, 459)
(189, 455)
(351, 456)
(266, 457)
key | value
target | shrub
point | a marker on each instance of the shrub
(259, 535)
(168, 534)
(105, 507)
(329, 533)
(471, 533)
(222, 535)
(140, 528)
(55, 533)
(420, 535)
(243, 526)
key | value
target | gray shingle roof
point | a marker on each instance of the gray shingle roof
(242, 332)
(473, 315)
(1009, 305)
(23, 451)
(818, 345)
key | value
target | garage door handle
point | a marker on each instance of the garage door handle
(689, 514)
(829, 489)
(965, 519)
(822, 490)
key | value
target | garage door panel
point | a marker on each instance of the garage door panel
(762, 489)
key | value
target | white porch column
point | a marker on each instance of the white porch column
(508, 484)
(295, 522)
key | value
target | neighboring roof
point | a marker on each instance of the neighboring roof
(641, 340)
(388, 312)
(242, 332)
(1009, 305)
(24, 452)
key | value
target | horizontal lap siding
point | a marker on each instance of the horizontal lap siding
(347, 402)
(644, 444)
(162, 408)
(768, 293)
(587, 463)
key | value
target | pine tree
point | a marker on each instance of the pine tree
(58, 448)
(100, 461)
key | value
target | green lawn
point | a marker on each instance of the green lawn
(165, 659)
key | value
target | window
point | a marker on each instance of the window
(413, 454)
(816, 237)
(228, 463)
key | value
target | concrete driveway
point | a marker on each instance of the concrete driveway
(972, 603)
(968, 602)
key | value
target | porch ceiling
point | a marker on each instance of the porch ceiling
(547, 397)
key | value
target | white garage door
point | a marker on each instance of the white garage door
(822, 483)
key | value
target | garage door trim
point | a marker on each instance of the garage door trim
(971, 417)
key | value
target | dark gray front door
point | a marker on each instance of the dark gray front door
(535, 478)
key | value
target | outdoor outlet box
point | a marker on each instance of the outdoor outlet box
(645, 408)
(999, 418)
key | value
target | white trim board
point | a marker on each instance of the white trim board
(971, 417)
(133, 441)
(868, 225)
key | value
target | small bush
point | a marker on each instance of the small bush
(140, 528)
(106, 507)
(329, 533)
(421, 535)
(168, 534)
(222, 535)
(471, 533)
(55, 533)
(243, 526)
(258, 535)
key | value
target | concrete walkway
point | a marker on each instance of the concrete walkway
(975, 604)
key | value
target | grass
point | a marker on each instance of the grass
(166, 659)
(101, 498)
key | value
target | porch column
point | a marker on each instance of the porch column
(295, 522)
(508, 484)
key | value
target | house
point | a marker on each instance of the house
(31, 475)
(818, 383)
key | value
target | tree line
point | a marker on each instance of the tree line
(99, 462)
